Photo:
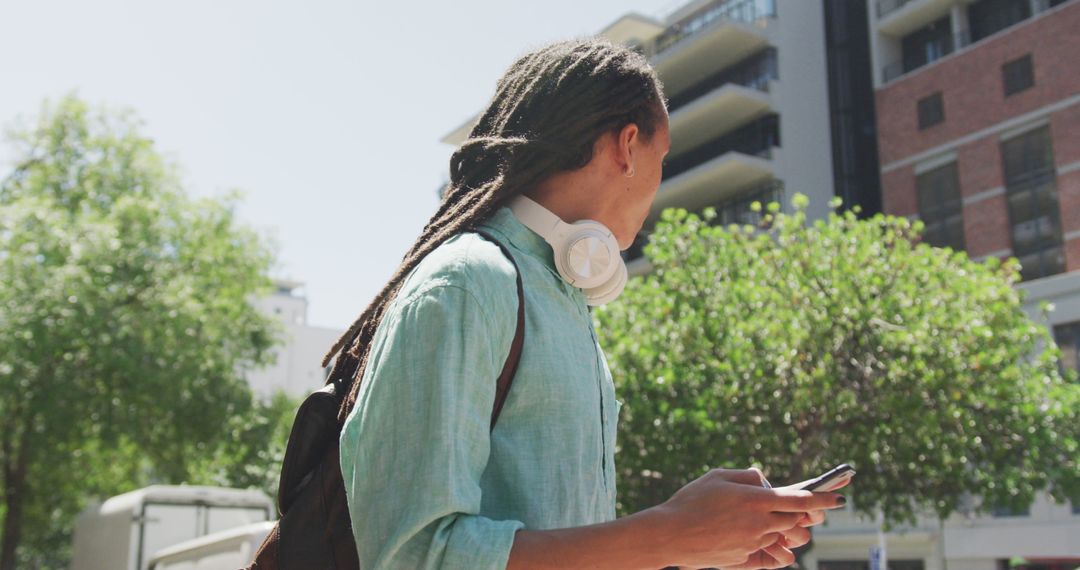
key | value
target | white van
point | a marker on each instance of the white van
(124, 532)
(225, 550)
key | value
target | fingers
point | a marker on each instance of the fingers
(770, 557)
(781, 556)
(752, 476)
(812, 518)
(769, 539)
(779, 522)
(789, 501)
(795, 537)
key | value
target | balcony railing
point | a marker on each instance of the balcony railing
(952, 43)
(886, 7)
(756, 139)
(755, 73)
(747, 11)
(734, 210)
(737, 209)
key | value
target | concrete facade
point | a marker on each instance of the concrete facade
(296, 369)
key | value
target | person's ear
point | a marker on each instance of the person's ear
(624, 148)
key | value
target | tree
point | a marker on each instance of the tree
(125, 322)
(796, 346)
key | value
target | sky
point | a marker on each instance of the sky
(326, 114)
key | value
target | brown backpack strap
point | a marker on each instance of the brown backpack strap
(506, 377)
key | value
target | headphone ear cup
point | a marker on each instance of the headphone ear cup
(589, 257)
(610, 289)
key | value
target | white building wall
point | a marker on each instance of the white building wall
(801, 96)
(297, 367)
(963, 542)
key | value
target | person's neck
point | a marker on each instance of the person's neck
(571, 196)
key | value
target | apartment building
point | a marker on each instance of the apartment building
(296, 369)
(978, 125)
(766, 98)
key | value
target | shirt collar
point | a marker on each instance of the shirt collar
(506, 224)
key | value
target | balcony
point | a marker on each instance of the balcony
(753, 139)
(909, 15)
(927, 53)
(923, 12)
(901, 17)
(733, 209)
(722, 101)
(755, 72)
(713, 37)
(716, 171)
(720, 111)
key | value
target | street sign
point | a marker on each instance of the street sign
(877, 558)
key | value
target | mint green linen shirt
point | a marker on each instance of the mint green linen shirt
(428, 485)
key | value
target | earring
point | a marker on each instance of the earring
(629, 173)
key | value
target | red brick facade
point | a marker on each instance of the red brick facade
(974, 99)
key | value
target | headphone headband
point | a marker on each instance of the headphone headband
(586, 252)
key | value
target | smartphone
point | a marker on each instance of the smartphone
(830, 479)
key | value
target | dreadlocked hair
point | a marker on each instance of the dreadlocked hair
(549, 109)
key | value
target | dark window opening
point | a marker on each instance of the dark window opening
(990, 16)
(636, 249)
(931, 110)
(754, 72)
(1067, 337)
(928, 44)
(941, 207)
(1031, 191)
(852, 121)
(1017, 75)
(737, 210)
(756, 139)
(865, 564)
(1006, 511)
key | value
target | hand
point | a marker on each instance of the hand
(814, 518)
(726, 517)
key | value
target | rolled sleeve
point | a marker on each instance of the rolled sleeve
(414, 448)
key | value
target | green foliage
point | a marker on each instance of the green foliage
(125, 327)
(256, 445)
(799, 345)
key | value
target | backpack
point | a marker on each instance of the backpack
(314, 530)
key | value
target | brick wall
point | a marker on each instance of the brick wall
(898, 195)
(971, 84)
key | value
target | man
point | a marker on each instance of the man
(576, 131)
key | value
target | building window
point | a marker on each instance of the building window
(990, 16)
(1005, 512)
(737, 210)
(941, 207)
(637, 248)
(927, 44)
(1031, 190)
(1067, 337)
(755, 139)
(754, 72)
(1017, 75)
(865, 564)
(931, 110)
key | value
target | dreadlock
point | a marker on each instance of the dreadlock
(549, 109)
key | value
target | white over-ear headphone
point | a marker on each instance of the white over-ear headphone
(586, 252)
